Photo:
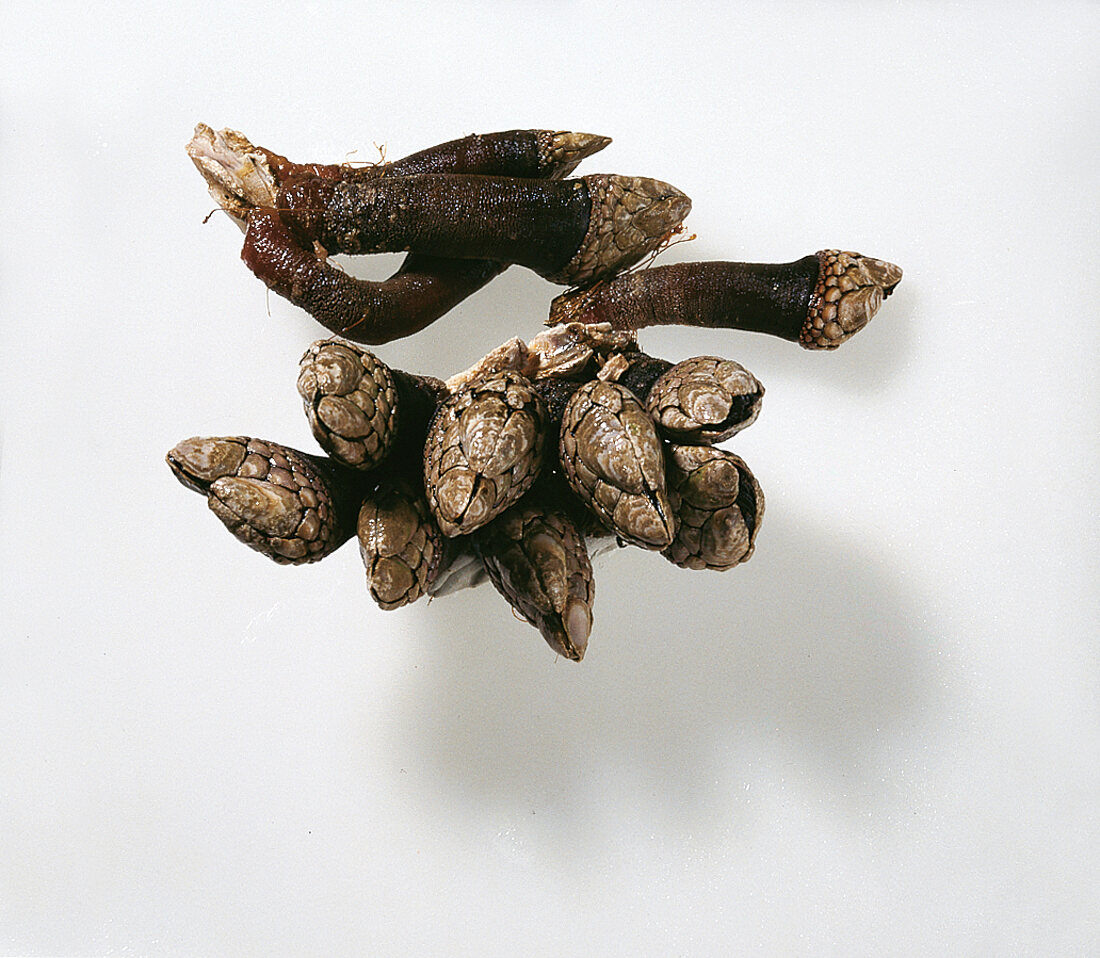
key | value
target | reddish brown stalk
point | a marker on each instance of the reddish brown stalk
(819, 301)
(425, 287)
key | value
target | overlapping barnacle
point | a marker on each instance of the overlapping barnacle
(537, 559)
(704, 400)
(483, 451)
(718, 505)
(400, 543)
(612, 458)
(483, 438)
(350, 399)
(292, 507)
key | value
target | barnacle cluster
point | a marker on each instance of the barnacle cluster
(515, 465)
(516, 469)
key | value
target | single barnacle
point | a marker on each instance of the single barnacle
(612, 458)
(704, 400)
(718, 504)
(291, 506)
(536, 558)
(569, 231)
(400, 543)
(483, 451)
(244, 180)
(350, 399)
(819, 301)
(848, 293)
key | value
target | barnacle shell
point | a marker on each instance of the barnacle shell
(612, 457)
(704, 400)
(536, 558)
(849, 292)
(719, 505)
(561, 151)
(350, 399)
(274, 499)
(483, 451)
(631, 216)
(400, 543)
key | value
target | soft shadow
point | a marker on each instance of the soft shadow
(812, 656)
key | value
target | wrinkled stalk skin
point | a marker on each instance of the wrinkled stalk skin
(291, 506)
(539, 153)
(555, 394)
(373, 313)
(642, 372)
(758, 297)
(819, 301)
(426, 287)
(533, 222)
(537, 559)
(402, 549)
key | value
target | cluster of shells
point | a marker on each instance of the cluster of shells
(516, 470)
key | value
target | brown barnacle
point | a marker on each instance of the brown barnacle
(569, 231)
(849, 291)
(719, 505)
(244, 180)
(819, 301)
(401, 545)
(537, 559)
(612, 458)
(242, 176)
(292, 507)
(350, 399)
(704, 400)
(483, 451)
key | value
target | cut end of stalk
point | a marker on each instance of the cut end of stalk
(237, 174)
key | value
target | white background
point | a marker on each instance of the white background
(878, 737)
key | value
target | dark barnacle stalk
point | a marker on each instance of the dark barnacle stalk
(819, 301)
(569, 231)
(297, 213)
(245, 181)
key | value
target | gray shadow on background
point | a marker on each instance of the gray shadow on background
(813, 656)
